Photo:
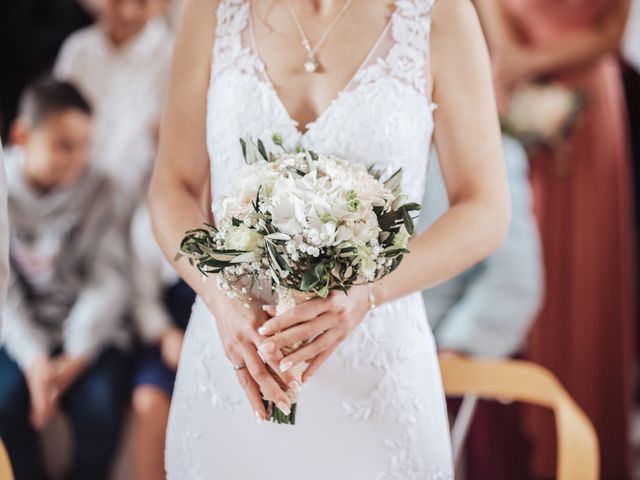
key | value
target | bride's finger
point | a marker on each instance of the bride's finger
(300, 313)
(272, 356)
(315, 363)
(298, 333)
(313, 349)
(269, 387)
(252, 391)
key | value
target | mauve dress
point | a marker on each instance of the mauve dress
(586, 329)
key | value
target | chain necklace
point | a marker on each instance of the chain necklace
(311, 64)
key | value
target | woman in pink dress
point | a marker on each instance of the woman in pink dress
(585, 331)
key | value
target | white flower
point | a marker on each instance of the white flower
(543, 111)
(401, 239)
(241, 238)
(367, 264)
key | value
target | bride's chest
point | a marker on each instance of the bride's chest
(382, 122)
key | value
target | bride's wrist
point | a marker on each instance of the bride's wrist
(375, 293)
(371, 296)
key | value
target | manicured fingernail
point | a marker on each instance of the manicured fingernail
(267, 348)
(286, 365)
(295, 386)
(284, 408)
(262, 357)
(258, 417)
(263, 330)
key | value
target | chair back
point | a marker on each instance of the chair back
(520, 381)
(6, 473)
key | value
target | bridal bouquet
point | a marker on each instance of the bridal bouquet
(302, 224)
(542, 115)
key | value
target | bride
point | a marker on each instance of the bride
(366, 80)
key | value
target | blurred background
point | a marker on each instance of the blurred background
(95, 317)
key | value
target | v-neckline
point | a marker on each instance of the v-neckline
(345, 89)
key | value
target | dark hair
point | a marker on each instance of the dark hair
(47, 96)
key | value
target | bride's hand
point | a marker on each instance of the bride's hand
(238, 329)
(327, 321)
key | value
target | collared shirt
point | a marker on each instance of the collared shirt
(488, 309)
(126, 86)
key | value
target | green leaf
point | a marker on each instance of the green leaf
(394, 182)
(277, 258)
(255, 203)
(278, 236)
(262, 150)
(317, 277)
(412, 207)
(295, 171)
(243, 143)
(246, 257)
(408, 221)
(309, 280)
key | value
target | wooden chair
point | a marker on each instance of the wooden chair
(520, 381)
(6, 473)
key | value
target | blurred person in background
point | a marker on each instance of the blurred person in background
(487, 312)
(162, 308)
(585, 331)
(63, 340)
(4, 235)
(31, 32)
(631, 76)
(121, 64)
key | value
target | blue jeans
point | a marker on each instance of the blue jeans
(94, 405)
(150, 368)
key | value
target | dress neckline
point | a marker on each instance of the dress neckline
(340, 93)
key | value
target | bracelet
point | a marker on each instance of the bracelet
(372, 297)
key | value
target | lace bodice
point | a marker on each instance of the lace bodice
(393, 83)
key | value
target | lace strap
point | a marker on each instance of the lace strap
(411, 29)
(232, 17)
(232, 20)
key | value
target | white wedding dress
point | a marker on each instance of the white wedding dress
(375, 409)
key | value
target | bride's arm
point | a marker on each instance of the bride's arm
(179, 185)
(467, 137)
(179, 180)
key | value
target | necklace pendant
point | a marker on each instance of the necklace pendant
(310, 66)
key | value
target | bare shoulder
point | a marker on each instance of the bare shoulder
(455, 26)
(454, 13)
(182, 152)
(195, 33)
(457, 43)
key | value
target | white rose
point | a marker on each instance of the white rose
(241, 238)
